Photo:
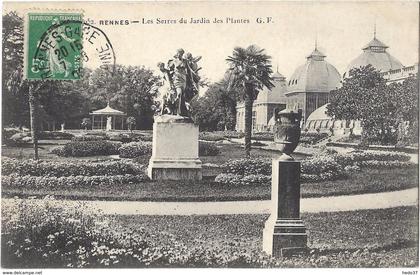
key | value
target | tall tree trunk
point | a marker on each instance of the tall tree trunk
(34, 120)
(248, 123)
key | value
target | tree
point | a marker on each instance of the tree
(406, 97)
(216, 109)
(251, 71)
(365, 96)
(15, 108)
(131, 89)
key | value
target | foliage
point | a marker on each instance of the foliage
(211, 136)
(266, 136)
(311, 138)
(55, 135)
(207, 149)
(83, 137)
(43, 233)
(65, 169)
(131, 122)
(250, 71)
(236, 179)
(19, 139)
(247, 167)
(381, 108)
(13, 180)
(134, 149)
(88, 148)
(216, 109)
(86, 123)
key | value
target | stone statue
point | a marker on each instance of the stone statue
(109, 123)
(181, 83)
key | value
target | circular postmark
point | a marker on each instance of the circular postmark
(67, 46)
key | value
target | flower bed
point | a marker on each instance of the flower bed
(87, 148)
(207, 149)
(266, 136)
(311, 138)
(15, 180)
(64, 169)
(55, 135)
(88, 138)
(211, 136)
(134, 149)
(45, 233)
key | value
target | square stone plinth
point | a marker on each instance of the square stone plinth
(175, 152)
(284, 230)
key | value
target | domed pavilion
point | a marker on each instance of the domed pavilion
(310, 84)
(375, 53)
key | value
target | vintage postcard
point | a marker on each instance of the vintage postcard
(209, 135)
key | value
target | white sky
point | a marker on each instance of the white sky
(342, 30)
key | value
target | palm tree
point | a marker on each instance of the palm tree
(250, 71)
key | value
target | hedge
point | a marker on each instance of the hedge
(134, 149)
(87, 148)
(208, 149)
(64, 169)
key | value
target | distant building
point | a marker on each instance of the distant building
(375, 54)
(311, 83)
(264, 105)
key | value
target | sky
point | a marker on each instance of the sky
(340, 28)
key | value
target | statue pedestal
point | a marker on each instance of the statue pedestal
(284, 230)
(175, 150)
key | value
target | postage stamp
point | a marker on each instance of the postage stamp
(53, 43)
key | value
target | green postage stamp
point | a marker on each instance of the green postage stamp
(53, 45)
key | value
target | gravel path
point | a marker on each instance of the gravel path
(311, 205)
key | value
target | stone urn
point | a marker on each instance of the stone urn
(287, 131)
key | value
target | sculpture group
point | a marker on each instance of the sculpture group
(181, 83)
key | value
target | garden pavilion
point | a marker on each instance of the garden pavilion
(114, 119)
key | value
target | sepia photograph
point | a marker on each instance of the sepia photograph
(209, 134)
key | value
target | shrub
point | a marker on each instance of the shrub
(64, 169)
(15, 180)
(267, 136)
(208, 149)
(318, 165)
(20, 138)
(235, 179)
(211, 136)
(257, 143)
(55, 135)
(248, 166)
(232, 134)
(88, 148)
(134, 149)
(312, 138)
(386, 164)
(88, 138)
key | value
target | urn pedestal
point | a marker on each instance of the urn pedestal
(175, 150)
(284, 230)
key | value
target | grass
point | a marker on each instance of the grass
(390, 235)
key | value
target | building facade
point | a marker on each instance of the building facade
(264, 106)
(309, 86)
(375, 54)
